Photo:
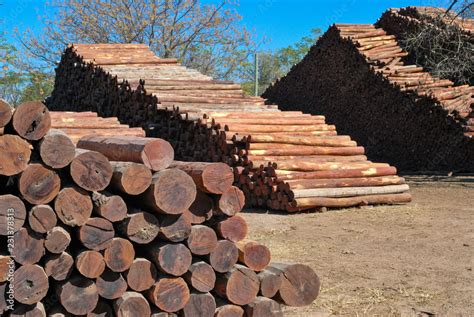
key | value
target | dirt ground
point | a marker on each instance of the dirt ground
(411, 260)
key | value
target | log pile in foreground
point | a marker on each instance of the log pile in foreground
(284, 160)
(123, 230)
(356, 77)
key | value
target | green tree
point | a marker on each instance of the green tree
(11, 80)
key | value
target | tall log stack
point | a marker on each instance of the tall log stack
(355, 76)
(139, 236)
(285, 160)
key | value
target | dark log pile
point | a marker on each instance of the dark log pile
(355, 76)
(111, 238)
(214, 121)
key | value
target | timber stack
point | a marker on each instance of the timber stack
(284, 160)
(116, 227)
(400, 113)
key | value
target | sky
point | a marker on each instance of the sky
(281, 22)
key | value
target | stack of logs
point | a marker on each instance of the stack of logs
(116, 227)
(400, 113)
(285, 160)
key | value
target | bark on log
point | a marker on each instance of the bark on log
(169, 294)
(240, 285)
(42, 218)
(90, 264)
(130, 178)
(78, 295)
(56, 149)
(73, 206)
(31, 120)
(91, 170)
(14, 156)
(30, 284)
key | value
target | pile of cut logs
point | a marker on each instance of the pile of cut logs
(116, 227)
(285, 160)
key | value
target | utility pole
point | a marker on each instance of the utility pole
(256, 74)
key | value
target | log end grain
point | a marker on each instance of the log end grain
(14, 154)
(31, 120)
(39, 184)
(157, 154)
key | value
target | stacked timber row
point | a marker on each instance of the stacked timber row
(284, 160)
(116, 227)
(356, 77)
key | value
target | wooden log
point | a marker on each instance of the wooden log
(130, 178)
(201, 276)
(350, 191)
(31, 120)
(109, 206)
(174, 259)
(200, 210)
(213, 178)
(156, 312)
(307, 150)
(240, 285)
(202, 240)
(102, 309)
(349, 173)
(78, 295)
(56, 149)
(90, 264)
(172, 191)
(174, 228)
(35, 310)
(29, 247)
(111, 285)
(97, 234)
(169, 294)
(5, 263)
(254, 255)
(119, 255)
(57, 240)
(3, 297)
(6, 113)
(199, 304)
(59, 266)
(91, 170)
(346, 182)
(156, 154)
(224, 256)
(352, 201)
(141, 275)
(38, 184)
(30, 284)
(270, 283)
(140, 227)
(131, 304)
(12, 214)
(14, 156)
(42, 218)
(263, 307)
(300, 285)
(73, 206)
(230, 202)
(229, 310)
(232, 228)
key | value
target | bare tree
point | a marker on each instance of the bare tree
(206, 37)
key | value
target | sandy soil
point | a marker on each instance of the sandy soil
(411, 260)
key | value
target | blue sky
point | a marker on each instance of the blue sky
(282, 22)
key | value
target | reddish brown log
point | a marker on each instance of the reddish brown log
(6, 113)
(300, 285)
(201, 276)
(102, 309)
(30, 284)
(59, 266)
(38, 184)
(232, 228)
(5, 263)
(200, 210)
(111, 285)
(119, 255)
(14, 156)
(35, 310)
(202, 240)
(131, 304)
(97, 234)
(263, 307)
(31, 120)
(57, 240)
(270, 283)
(42, 218)
(169, 294)
(199, 304)
(224, 256)
(230, 202)
(229, 310)
(171, 192)
(130, 178)
(213, 178)
(140, 227)
(91, 170)
(73, 206)
(78, 295)
(56, 149)
(254, 255)
(3, 297)
(156, 312)
(141, 275)
(12, 214)
(108, 206)
(347, 173)
(173, 259)
(175, 228)
(240, 285)
(90, 264)
(156, 154)
(29, 247)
